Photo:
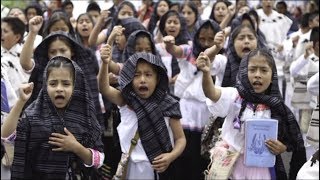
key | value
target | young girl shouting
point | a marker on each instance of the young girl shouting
(58, 136)
(146, 108)
(255, 95)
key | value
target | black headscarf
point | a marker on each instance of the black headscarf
(233, 63)
(150, 112)
(84, 57)
(131, 43)
(197, 48)
(33, 156)
(289, 130)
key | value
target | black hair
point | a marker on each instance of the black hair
(263, 52)
(238, 29)
(282, 3)
(127, 3)
(155, 17)
(314, 36)
(93, 6)
(60, 62)
(226, 2)
(181, 38)
(55, 17)
(17, 26)
(193, 7)
(313, 15)
(35, 6)
(61, 38)
(304, 22)
(66, 3)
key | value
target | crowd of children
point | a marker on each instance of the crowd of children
(126, 92)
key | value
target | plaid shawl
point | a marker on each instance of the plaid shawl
(84, 57)
(150, 112)
(289, 130)
(33, 156)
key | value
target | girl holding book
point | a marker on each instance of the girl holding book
(255, 95)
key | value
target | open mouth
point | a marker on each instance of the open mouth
(257, 84)
(246, 50)
(85, 30)
(59, 98)
(143, 89)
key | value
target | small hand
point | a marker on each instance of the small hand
(169, 40)
(219, 39)
(203, 62)
(35, 24)
(113, 79)
(73, 22)
(116, 31)
(308, 49)
(275, 147)
(64, 142)
(25, 91)
(106, 53)
(103, 16)
(162, 162)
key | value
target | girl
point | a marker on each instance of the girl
(58, 22)
(32, 10)
(172, 26)
(84, 28)
(147, 109)
(222, 12)
(160, 9)
(243, 39)
(126, 10)
(190, 13)
(256, 95)
(58, 135)
(59, 43)
(195, 113)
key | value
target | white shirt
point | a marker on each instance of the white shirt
(139, 165)
(313, 85)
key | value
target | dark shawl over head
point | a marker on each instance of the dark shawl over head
(150, 112)
(131, 43)
(131, 25)
(197, 48)
(84, 57)
(233, 63)
(289, 130)
(33, 156)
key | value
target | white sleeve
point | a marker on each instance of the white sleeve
(97, 159)
(222, 106)
(298, 65)
(313, 85)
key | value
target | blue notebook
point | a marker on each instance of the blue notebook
(257, 131)
(4, 98)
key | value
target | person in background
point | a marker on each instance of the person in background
(33, 9)
(145, 10)
(67, 6)
(282, 8)
(93, 9)
(190, 12)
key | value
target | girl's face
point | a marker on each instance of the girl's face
(125, 12)
(259, 73)
(8, 38)
(16, 12)
(84, 26)
(189, 15)
(220, 11)
(31, 12)
(162, 8)
(206, 37)
(60, 86)
(59, 48)
(59, 26)
(145, 80)
(245, 42)
(173, 26)
(143, 44)
(121, 41)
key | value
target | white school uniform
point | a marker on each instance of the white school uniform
(139, 166)
(188, 87)
(229, 106)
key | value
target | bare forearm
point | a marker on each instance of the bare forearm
(114, 67)
(84, 153)
(175, 51)
(27, 51)
(209, 89)
(10, 123)
(94, 35)
(212, 52)
(225, 21)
